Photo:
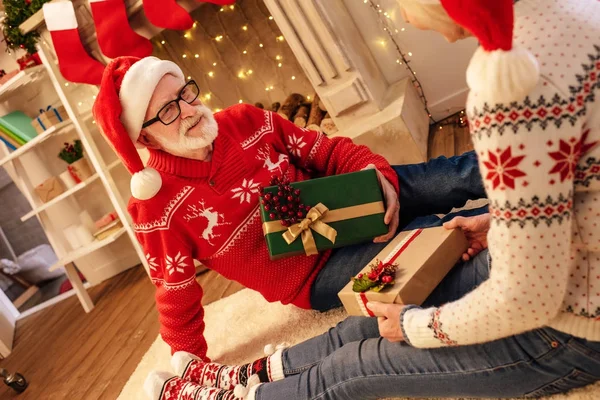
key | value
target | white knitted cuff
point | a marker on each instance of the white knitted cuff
(275, 366)
(415, 327)
(252, 392)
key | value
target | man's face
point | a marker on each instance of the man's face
(191, 135)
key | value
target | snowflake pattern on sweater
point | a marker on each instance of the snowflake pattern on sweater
(539, 160)
(208, 211)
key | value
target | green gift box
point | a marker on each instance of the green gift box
(341, 210)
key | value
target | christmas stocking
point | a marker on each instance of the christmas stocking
(267, 369)
(74, 62)
(115, 36)
(167, 14)
(164, 386)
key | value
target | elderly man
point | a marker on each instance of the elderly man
(197, 198)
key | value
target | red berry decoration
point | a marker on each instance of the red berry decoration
(267, 207)
(284, 209)
(272, 216)
(291, 213)
(378, 277)
(300, 214)
(280, 193)
(268, 196)
(290, 198)
(297, 192)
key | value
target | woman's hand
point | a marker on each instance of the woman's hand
(475, 229)
(388, 319)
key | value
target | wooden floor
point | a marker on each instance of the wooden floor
(65, 353)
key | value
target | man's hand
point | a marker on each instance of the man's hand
(475, 229)
(392, 212)
(388, 319)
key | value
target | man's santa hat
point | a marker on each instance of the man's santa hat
(120, 107)
(498, 72)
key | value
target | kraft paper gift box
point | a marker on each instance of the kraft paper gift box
(423, 258)
(49, 189)
(49, 117)
(349, 204)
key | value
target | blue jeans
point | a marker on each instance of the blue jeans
(351, 361)
(435, 187)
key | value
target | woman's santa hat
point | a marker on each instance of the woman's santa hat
(498, 72)
(120, 107)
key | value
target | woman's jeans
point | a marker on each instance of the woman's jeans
(435, 187)
(352, 362)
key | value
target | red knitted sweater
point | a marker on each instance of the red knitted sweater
(209, 211)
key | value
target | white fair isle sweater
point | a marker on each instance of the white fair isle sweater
(540, 160)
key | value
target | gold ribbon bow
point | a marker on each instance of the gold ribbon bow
(312, 222)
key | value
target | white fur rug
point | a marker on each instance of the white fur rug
(239, 326)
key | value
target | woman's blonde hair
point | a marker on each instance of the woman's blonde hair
(432, 16)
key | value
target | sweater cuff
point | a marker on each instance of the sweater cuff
(415, 327)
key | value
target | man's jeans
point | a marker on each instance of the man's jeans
(435, 187)
(351, 361)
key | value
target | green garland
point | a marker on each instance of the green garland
(17, 12)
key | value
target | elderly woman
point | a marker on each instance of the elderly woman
(521, 320)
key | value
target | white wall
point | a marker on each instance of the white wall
(440, 66)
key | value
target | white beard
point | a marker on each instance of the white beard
(187, 144)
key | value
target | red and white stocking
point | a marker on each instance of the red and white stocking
(167, 14)
(115, 36)
(165, 386)
(75, 64)
(266, 369)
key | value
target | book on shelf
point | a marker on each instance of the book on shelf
(19, 125)
(7, 133)
(7, 143)
(108, 230)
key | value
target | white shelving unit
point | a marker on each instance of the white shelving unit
(105, 191)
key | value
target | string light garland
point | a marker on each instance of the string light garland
(386, 22)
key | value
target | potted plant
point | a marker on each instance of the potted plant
(79, 167)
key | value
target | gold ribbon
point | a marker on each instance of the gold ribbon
(317, 219)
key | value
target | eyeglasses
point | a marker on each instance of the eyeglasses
(171, 111)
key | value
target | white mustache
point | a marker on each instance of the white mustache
(188, 123)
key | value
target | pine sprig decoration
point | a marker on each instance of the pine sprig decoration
(17, 12)
(378, 278)
(71, 152)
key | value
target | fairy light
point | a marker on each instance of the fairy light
(280, 65)
(211, 74)
(80, 104)
(271, 87)
(280, 38)
(195, 24)
(94, 96)
(219, 38)
(245, 27)
(278, 57)
(260, 45)
(66, 83)
(231, 7)
(307, 97)
(189, 77)
(214, 64)
(187, 36)
(222, 9)
(196, 55)
(207, 96)
(184, 56)
(162, 42)
(293, 78)
(270, 18)
(241, 75)
(245, 52)
(240, 101)
(249, 72)
(217, 109)
(389, 28)
(267, 89)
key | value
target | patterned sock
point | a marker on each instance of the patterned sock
(267, 369)
(164, 386)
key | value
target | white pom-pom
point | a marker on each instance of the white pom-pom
(269, 349)
(502, 76)
(180, 361)
(241, 391)
(145, 184)
(154, 383)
